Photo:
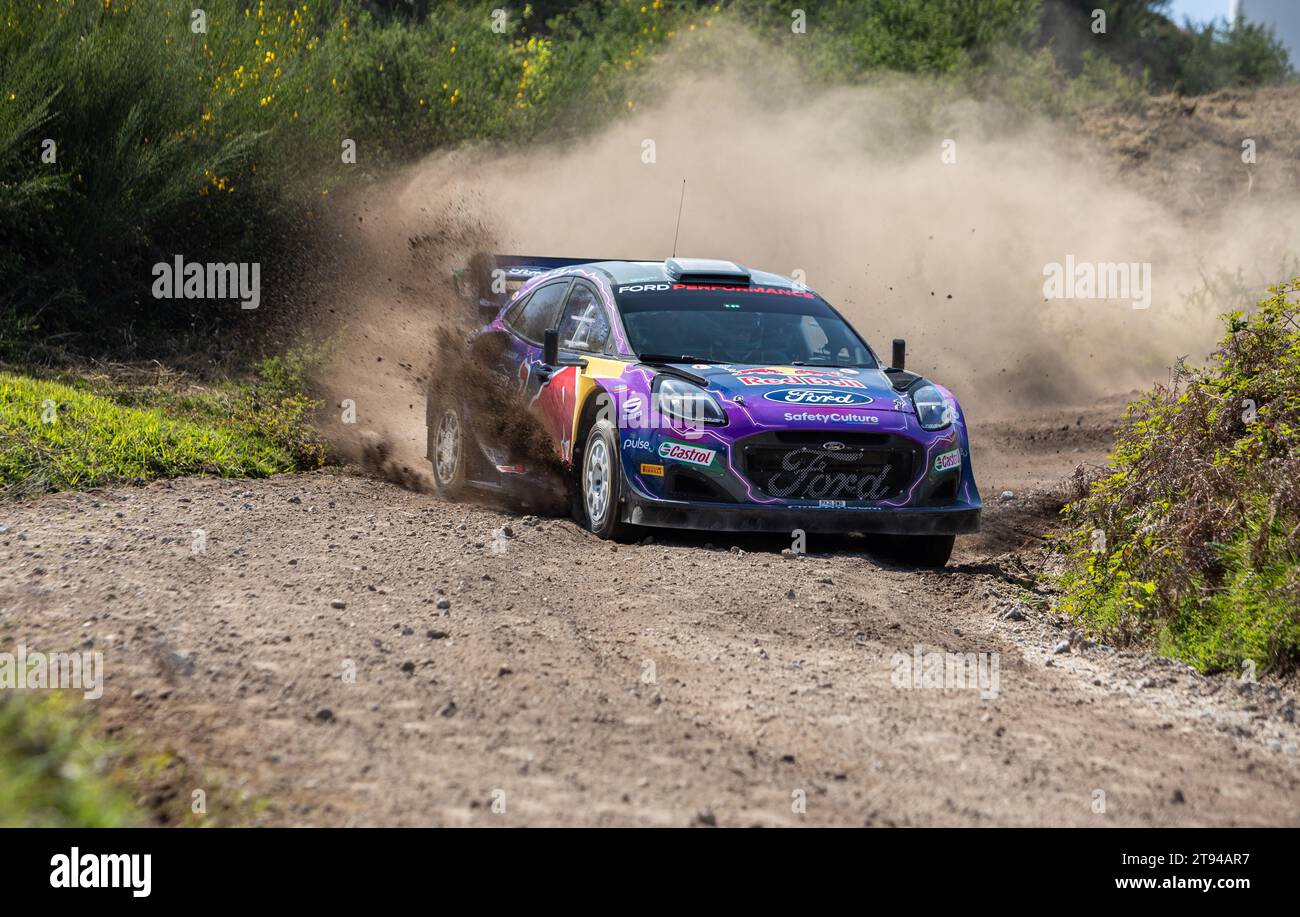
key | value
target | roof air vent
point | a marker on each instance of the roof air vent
(706, 270)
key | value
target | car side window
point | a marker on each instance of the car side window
(512, 316)
(541, 311)
(585, 326)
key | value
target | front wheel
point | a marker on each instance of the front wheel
(926, 550)
(600, 484)
(448, 443)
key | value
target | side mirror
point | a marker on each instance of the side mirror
(900, 354)
(551, 347)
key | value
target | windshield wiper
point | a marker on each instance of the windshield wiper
(670, 358)
(832, 365)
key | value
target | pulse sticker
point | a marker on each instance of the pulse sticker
(946, 460)
(812, 397)
(652, 470)
(680, 452)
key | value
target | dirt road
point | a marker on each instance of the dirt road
(343, 651)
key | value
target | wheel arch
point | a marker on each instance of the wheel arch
(586, 419)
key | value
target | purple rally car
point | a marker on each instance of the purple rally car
(698, 394)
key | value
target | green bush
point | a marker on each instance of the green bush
(55, 771)
(226, 145)
(850, 40)
(1215, 56)
(1191, 541)
(276, 406)
(1143, 39)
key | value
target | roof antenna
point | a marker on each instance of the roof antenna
(680, 204)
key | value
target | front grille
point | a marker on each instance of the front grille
(799, 466)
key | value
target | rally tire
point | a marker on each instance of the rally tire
(926, 550)
(449, 442)
(600, 483)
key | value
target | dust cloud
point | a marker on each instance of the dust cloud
(848, 186)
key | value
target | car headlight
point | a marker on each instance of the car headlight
(932, 409)
(684, 401)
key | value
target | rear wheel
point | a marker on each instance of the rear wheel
(448, 442)
(926, 550)
(600, 483)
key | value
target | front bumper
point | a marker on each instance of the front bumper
(729, 517)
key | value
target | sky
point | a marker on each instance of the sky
(1201, 11)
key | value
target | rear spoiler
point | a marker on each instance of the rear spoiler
(531, 266)
(480, 282)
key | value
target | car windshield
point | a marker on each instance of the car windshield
(724, 324)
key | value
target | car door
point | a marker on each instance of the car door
(528, 325)
(584, 332)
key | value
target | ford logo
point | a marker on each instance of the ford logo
(833, 446)
(818, 397)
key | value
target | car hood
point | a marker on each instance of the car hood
(766, 387)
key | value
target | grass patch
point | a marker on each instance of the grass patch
(55, 437)
(1191, 541)
(76, 433)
